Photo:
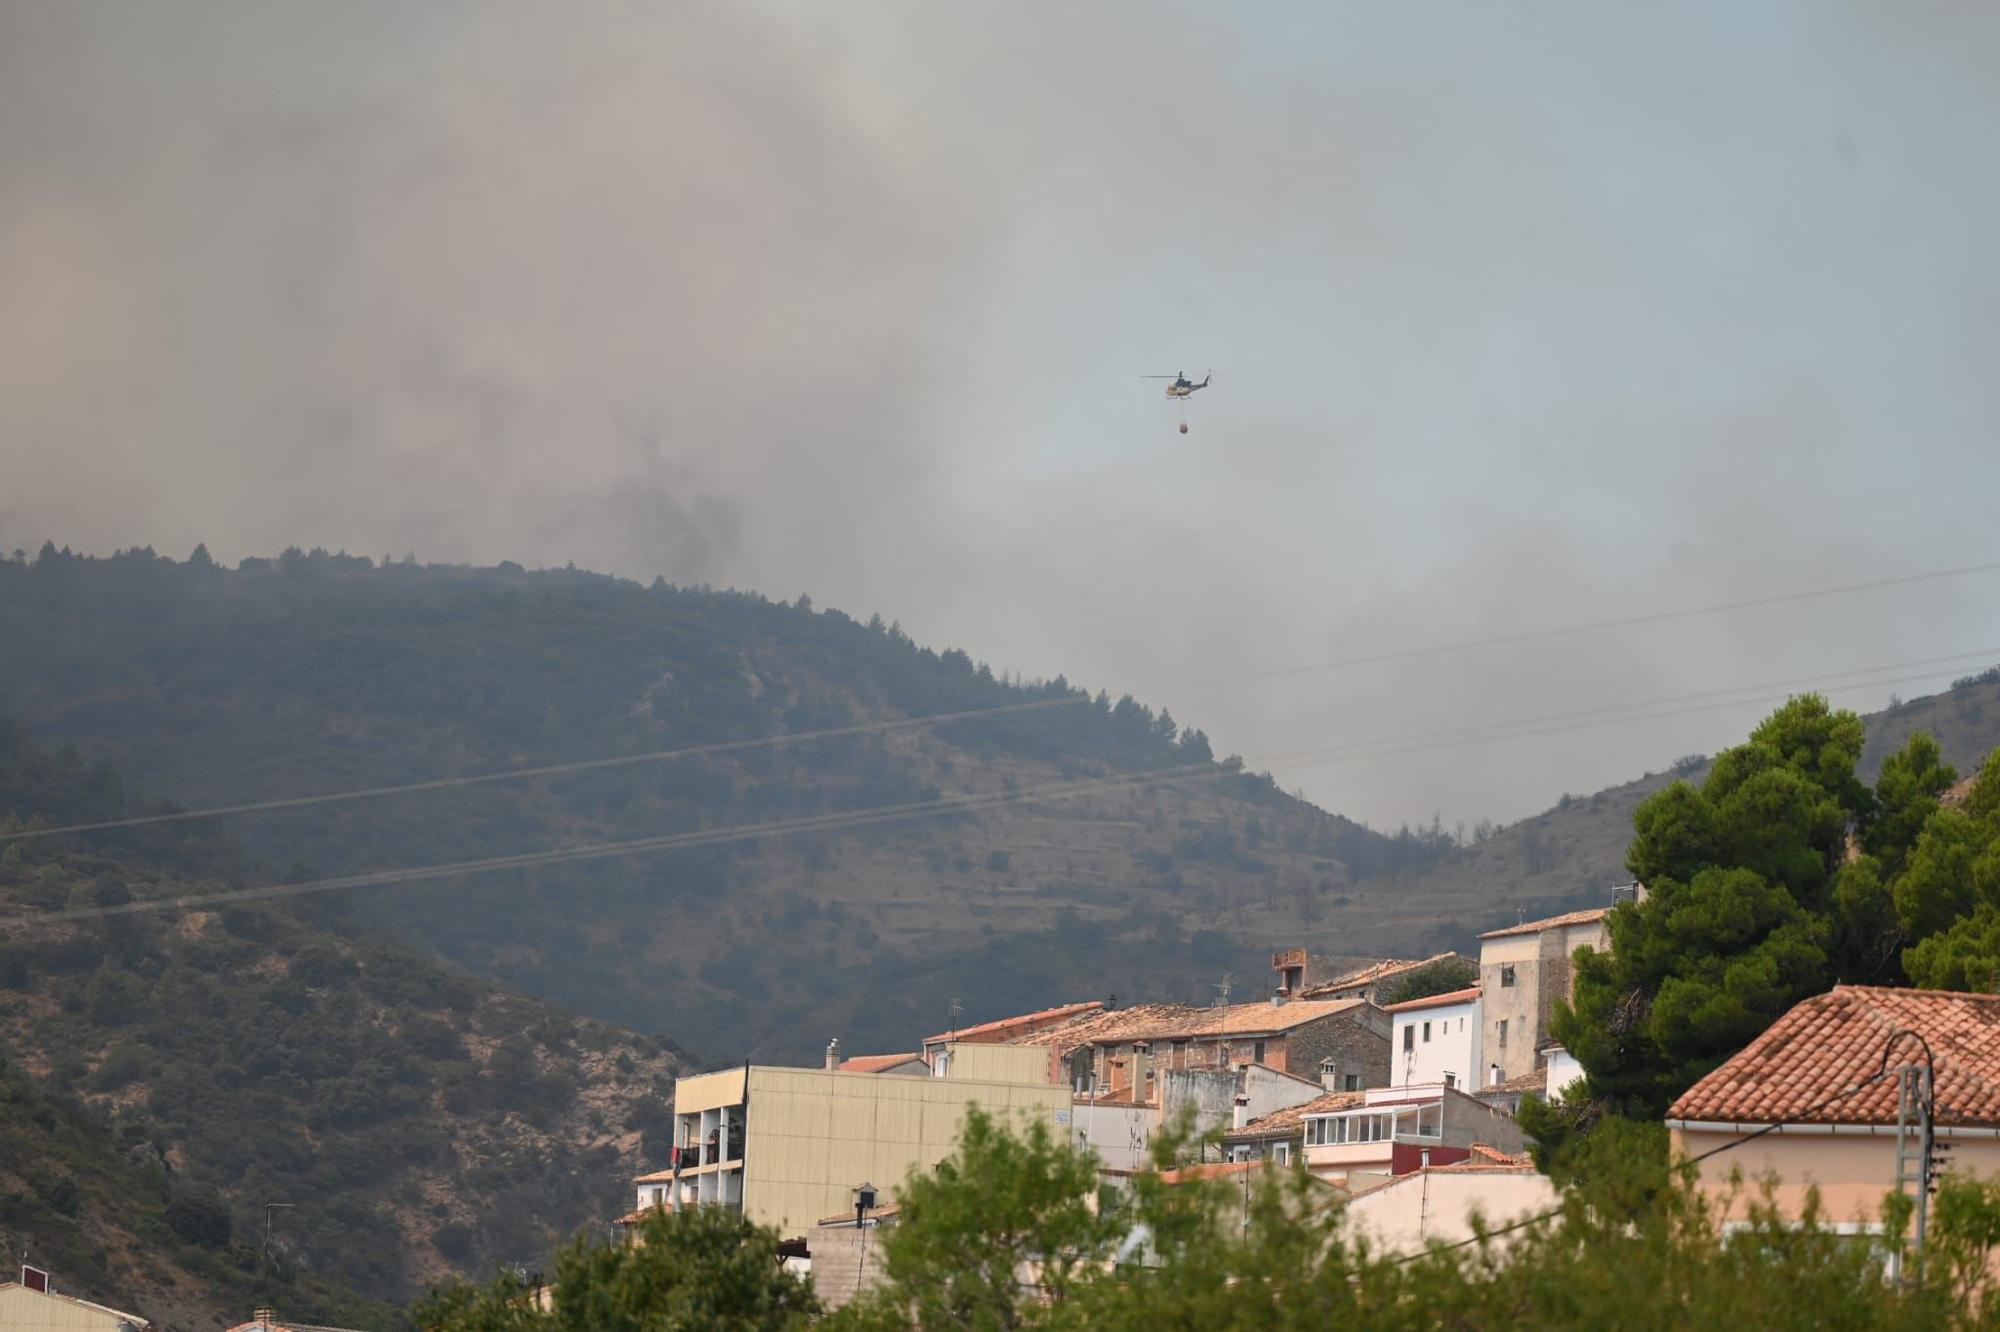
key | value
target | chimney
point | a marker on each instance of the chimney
(1278, 997)
(265, 1317)
(833, 1054)
(1242, 1115)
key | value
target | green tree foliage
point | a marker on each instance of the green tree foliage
(1949, 897)
(1780, 875)
(1439, 977)
(692, 1270)
(1631, 1244)
(1001, 1205)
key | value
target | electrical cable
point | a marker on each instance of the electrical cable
(831, 821)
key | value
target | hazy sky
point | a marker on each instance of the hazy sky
(1518, 316)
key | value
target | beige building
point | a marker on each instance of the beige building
(29, 1305)
(1795, 1087)
(788, 1146)
(1439, 1204)
(1524, 971)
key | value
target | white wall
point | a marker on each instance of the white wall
(1452, 1046)
(1563, 1070)
(1121, 1134)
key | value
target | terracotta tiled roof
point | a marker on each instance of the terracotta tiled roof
(1149, 1022)
(1373, 972)
(1829, 1044)
(657, 1177)
(1001, 1028)
(1551, 923)
(1464, 996)
(1955, 794)
(634, 1218)
(1494, 1156)
(876, 1063)
(1533, 1080)
(1290, 1120)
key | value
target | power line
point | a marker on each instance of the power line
(832, 821)
(1592, 627)
(936, 719)
(547, 769)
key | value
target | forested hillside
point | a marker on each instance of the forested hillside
(316, 673)
(1569, 855)
(190, 1068)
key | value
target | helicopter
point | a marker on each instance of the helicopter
(1182, 385)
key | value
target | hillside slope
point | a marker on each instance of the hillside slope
(419, 1122)
(314, 673)
(1569, 856)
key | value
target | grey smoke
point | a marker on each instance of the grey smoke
(1517, 319)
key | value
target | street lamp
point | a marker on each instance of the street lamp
(268, 1209)
(864, 1202)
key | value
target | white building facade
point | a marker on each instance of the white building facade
(1436, 1041)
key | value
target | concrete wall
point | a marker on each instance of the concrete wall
(1000, 1063)
(1270, 1091)
(1121, 1135)
(814, 1135)
(1437, 1206)
(1852, 1171)
(1440, 1040)
(845, 1261)
(708, 1091)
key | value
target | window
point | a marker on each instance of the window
(1503, 1033)
(1257, 1052)
(1450, 1080)
(1409, 1038)
(1427, 1033)
(1282, 1153)
(1180, 1054)
(1352, 1082)
(1506, 973)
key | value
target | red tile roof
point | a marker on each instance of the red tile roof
(1956, 794)
(1464, 996)
(1002, 1028)
(1829, 1045)
(1551, 923)
(876, 1063)
(1535, 1079)
(1151, 1022)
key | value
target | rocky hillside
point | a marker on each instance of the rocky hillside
(419, 1121)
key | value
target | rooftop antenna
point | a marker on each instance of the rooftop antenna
(956, 1010)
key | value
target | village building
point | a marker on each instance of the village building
(1395, 1130)
(1123, 1054)
(1505, 1096)
(1525, 970)
(1438, 1204)
(788, 1146)
(1436, 1039)
(1821, 1089)
(33, 1304)
(1279, 1136)
(1303, 975)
